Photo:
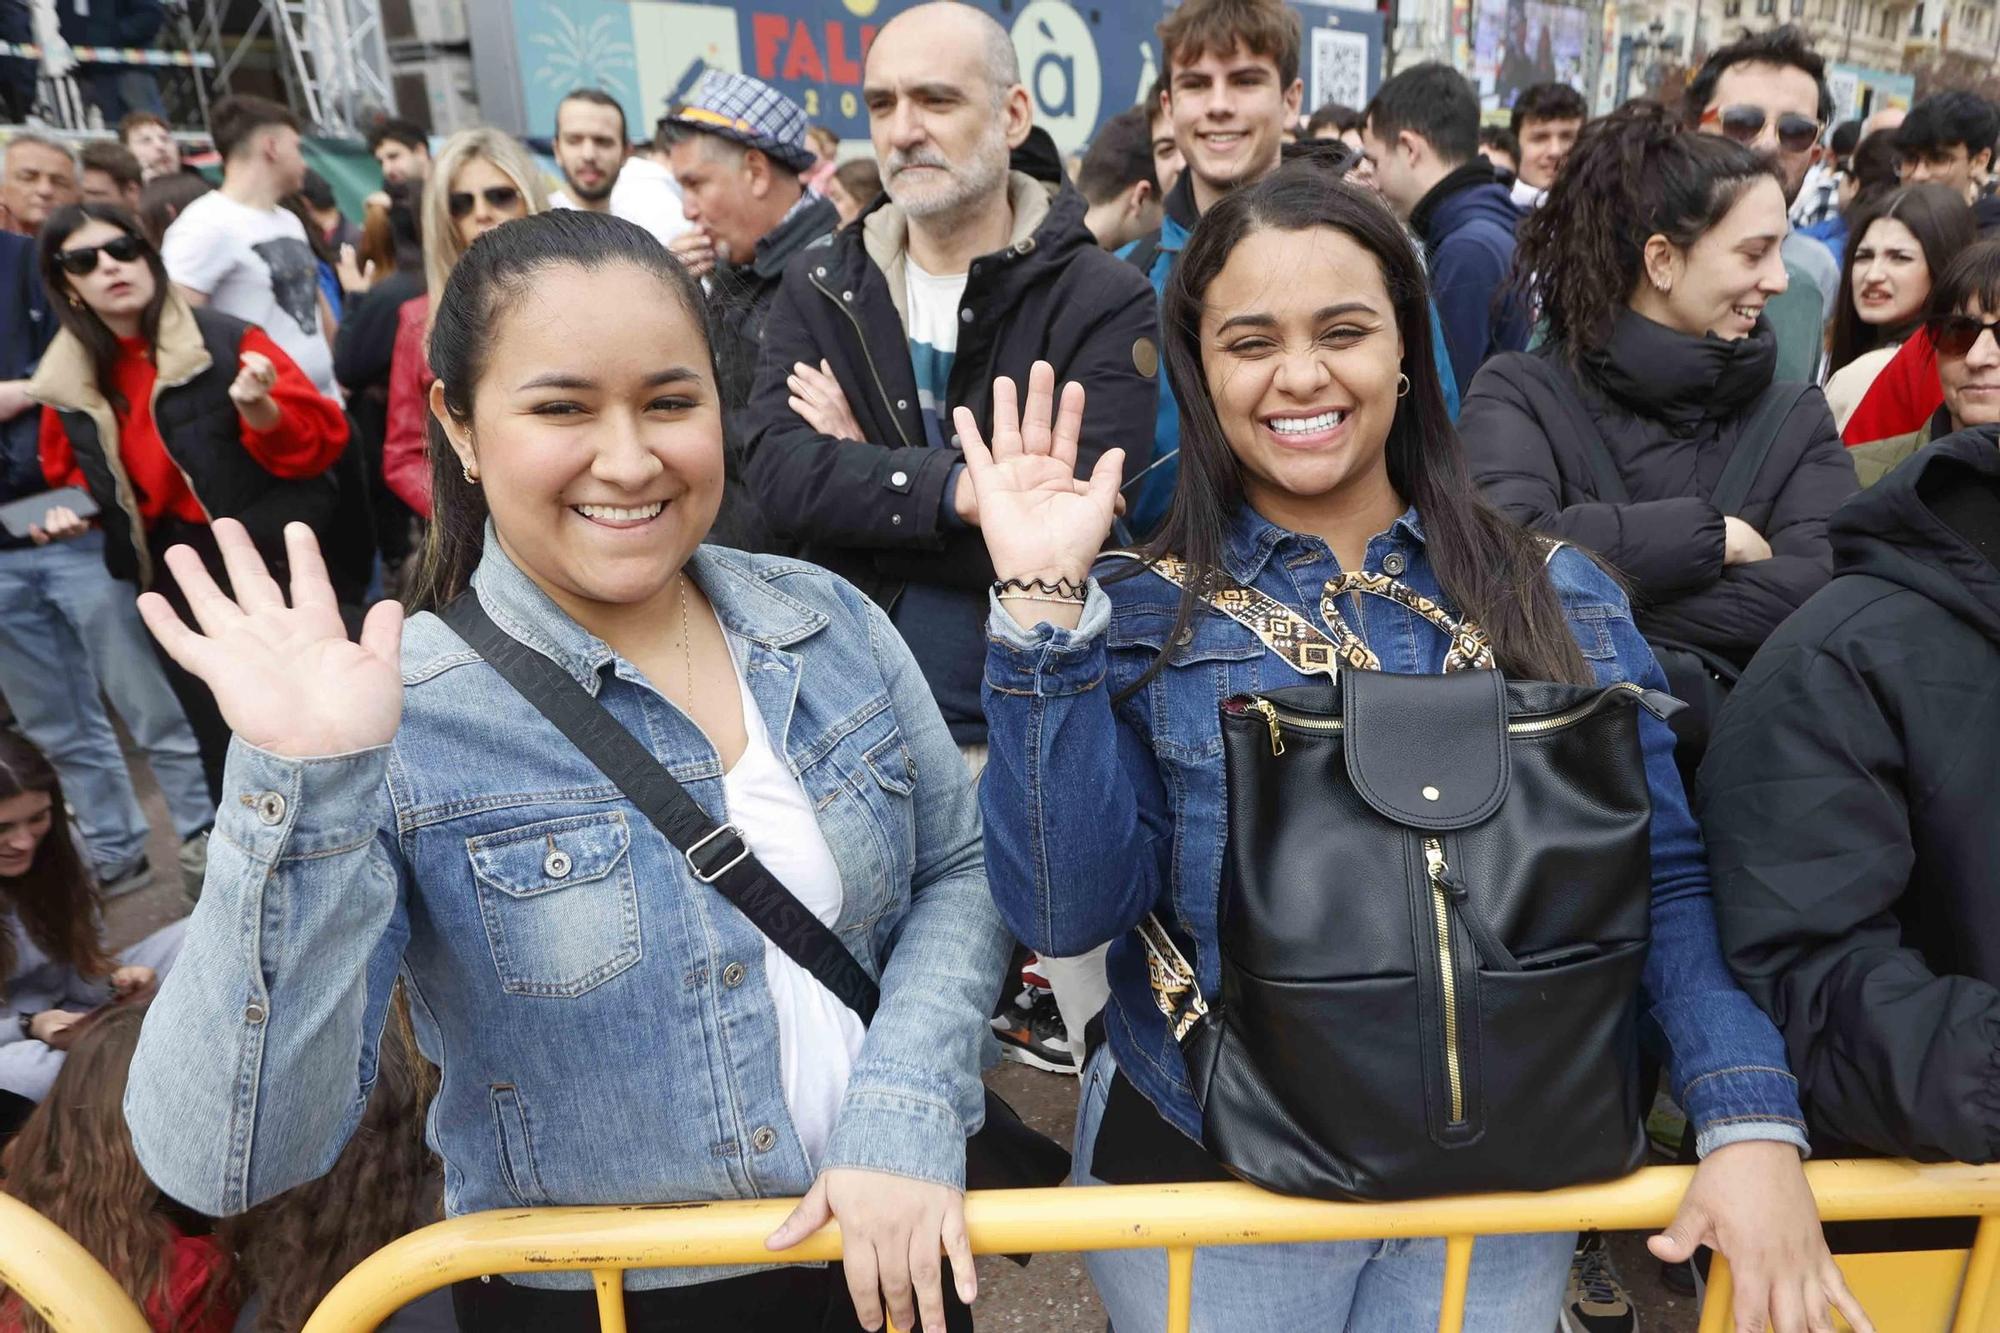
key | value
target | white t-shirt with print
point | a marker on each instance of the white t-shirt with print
(932, 307)
(254, 264)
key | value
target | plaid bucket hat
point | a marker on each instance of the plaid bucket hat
(750, 112)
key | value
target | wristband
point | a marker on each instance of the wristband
(1062, 590)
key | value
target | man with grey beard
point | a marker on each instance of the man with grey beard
(963, 271)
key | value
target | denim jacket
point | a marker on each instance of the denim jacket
(600, 1019)
(1100, 813)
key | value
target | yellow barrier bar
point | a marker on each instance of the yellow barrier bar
(1977, 1311)
(610, 1284)
(1099, 1218)
(1457, 1273)
(1180, 1289)
(60, 1280)
(1716, 1315)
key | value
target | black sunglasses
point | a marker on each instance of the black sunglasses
(502, 197)
(1796, 133)
(1955, 335)
(82, 261)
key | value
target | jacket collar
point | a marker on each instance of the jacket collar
(67, 381)
(1669, 376)
(744, 600)
(885, 232)
(1180, 211)
(1472, 174)
(1253, 539)
(812, 217)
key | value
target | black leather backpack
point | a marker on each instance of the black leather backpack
(1434, 914)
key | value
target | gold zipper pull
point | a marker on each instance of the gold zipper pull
(1270, 713)
(1434, 860)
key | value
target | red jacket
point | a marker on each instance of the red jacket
(1904, 397)
(406, 464)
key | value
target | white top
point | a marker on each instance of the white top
(818, 1036)
(644, 193)
(254, 264)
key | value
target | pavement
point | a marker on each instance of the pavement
(1053, 1293)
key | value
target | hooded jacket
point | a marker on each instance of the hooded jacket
(1467, 224)
(877, 510)
(1851, 800)
(1670, 409)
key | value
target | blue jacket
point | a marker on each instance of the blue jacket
(1101, 813)
(1467, 224)
(601, 1021)
(26, 326)
(1148, 493)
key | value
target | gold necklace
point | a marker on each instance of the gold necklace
(687, 653)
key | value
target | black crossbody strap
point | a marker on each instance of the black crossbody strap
(716, 853)
(1753, 446)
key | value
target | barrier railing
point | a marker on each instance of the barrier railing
(1934, 1291)
(607, 1241)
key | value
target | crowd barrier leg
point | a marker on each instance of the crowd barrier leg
(1978, 1312)
(610, 1299)
(1457, 1275)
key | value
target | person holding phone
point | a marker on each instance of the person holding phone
(169, 416)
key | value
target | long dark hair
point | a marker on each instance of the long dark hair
(1633, 175)
(73, 1163)
(55, 901)
(1491, 571)
(1940, 219)
(82, 322)
(496, 270)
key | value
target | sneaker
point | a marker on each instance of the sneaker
(1031, 1033)
(134, 876)
(1596, 1301)
(194, 865)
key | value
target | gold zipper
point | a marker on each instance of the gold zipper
(1447, 974)
(1530, 727)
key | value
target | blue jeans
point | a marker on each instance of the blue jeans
(67, 630)
(1368, 1286)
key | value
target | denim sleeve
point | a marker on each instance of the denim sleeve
(1077, 823)
(914, 1093)
(1726, 1064)
(257, 1057)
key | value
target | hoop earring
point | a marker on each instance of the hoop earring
(465, 470)
(1402, 385)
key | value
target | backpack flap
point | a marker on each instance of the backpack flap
(1428, 752)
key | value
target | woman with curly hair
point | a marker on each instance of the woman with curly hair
(73, 1163)
(54, 967)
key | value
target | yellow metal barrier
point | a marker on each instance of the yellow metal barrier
(59, 1279)
(607, 1241)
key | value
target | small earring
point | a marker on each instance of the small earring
(1666, 288)
(1402, 385)
(465, 470)
(75, 301)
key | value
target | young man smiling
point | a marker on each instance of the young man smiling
(1546, 120)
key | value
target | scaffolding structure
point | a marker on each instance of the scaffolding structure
(331, 54)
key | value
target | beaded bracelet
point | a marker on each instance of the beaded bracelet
(1062, 590)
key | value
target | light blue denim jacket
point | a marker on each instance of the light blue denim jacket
(600, 1019)
(1099, 813)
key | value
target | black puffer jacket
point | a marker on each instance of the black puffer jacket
(1851, 800)
(1670, 408)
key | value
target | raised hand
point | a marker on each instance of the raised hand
(1040, 521)
(285, 677)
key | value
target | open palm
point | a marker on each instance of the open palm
(1040, 520)
(286, 678)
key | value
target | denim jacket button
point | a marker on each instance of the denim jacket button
(1393, 564)
(557, 864)
(764, 1139)
(270, 808)
(253, 1013)
(732, 976)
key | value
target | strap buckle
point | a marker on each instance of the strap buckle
(735, 850)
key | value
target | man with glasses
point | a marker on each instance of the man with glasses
(1769, 91)
(1947, 139)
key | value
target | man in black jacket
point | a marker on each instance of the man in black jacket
(1851, 798)
(962, 272)
(737, 147)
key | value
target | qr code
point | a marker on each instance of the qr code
(1339, 67)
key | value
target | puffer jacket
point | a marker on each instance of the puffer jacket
(1851, 798)
(1670, 409)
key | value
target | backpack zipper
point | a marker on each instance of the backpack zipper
(1534, 726)
(1435, 868)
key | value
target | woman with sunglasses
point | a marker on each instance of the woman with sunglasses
(171, 416)
(480, 179)
(1962, 323)
(1903, 241)
(1656, 257)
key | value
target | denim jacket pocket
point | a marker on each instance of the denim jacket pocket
(516, 1147)
(559, 903)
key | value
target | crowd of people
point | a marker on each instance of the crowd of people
(854, 602)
